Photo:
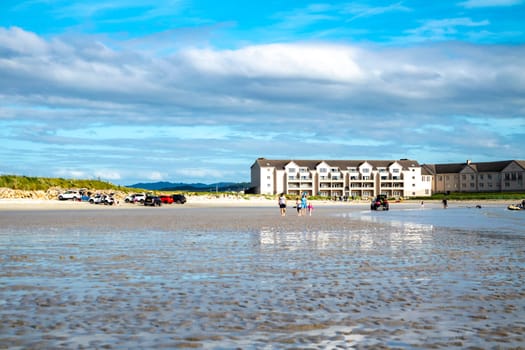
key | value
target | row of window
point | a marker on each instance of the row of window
(352, 178)
(337, 170)
(514, 176)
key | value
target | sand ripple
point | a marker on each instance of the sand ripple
(247, 278)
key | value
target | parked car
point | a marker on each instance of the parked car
(164, 198)
(179, 198)
(100, 198)
(70, 194)
(135, 197)
(152, 201)
(380, 203)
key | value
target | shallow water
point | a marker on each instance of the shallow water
(414, 279)
(485, 219)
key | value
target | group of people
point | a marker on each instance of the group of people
(304, 207)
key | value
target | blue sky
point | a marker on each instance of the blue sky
(190, 91)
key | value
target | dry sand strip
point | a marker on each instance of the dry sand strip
(177, 218)
(206, 201)
(211, 214)
(196, 201)
(197, 214)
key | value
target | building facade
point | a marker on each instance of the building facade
(341, 178)
(394, 178)
(502, 176)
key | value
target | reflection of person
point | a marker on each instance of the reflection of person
(282, 204)
(445, 203)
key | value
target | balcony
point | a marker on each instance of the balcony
(391, 185)
(362, 178)
(391, 178)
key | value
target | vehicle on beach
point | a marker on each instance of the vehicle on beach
(104, 199)
(519, 206)
(152, 201)
(179, 198)
(70, 194)
(135, 197)
(380, 203)
(166, 199)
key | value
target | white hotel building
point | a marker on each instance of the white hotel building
(341, 178)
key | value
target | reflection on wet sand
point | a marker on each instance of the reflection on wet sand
(207, 279)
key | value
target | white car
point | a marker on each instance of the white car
(71, 194)
(102, 199)
(135, 197)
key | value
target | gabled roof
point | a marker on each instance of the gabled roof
(521, 163)
(492, 166)
(428, 169)
(481, 167)
(341, 164)
(449, 168)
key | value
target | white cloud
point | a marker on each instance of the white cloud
(71, 173)
(20, 41)
(442, 29)
(144, 9)
(155, 176)
(489, 3)
(362, 10)
(305, 61)
(107, 174)
(202, 173)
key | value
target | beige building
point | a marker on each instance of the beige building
(502, 176)
(341, 178)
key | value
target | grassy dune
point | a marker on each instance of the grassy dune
(27, 183)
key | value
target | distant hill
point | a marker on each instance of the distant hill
(28, 183)
(194, 187)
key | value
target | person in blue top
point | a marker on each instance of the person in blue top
(304, 204)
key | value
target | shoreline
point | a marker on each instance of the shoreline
(207, 202)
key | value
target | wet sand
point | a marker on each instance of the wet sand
(245, 277)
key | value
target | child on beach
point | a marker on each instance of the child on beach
(298, 206)
(282, 204)
(310, 208)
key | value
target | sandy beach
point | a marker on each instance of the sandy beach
(193, 202)
(226, 275)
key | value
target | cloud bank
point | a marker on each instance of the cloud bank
(87, 106)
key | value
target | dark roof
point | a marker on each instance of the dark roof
(481, 167)
(341, 164)
(428, 169)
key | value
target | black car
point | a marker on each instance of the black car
(380, 203)
(152, 201)
(179, 198)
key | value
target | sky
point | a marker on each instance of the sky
(191, 91)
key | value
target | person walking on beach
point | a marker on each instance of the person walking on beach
(298, 206)
(304, 204)
(445, 203)
(282, 204)
(310, 208)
